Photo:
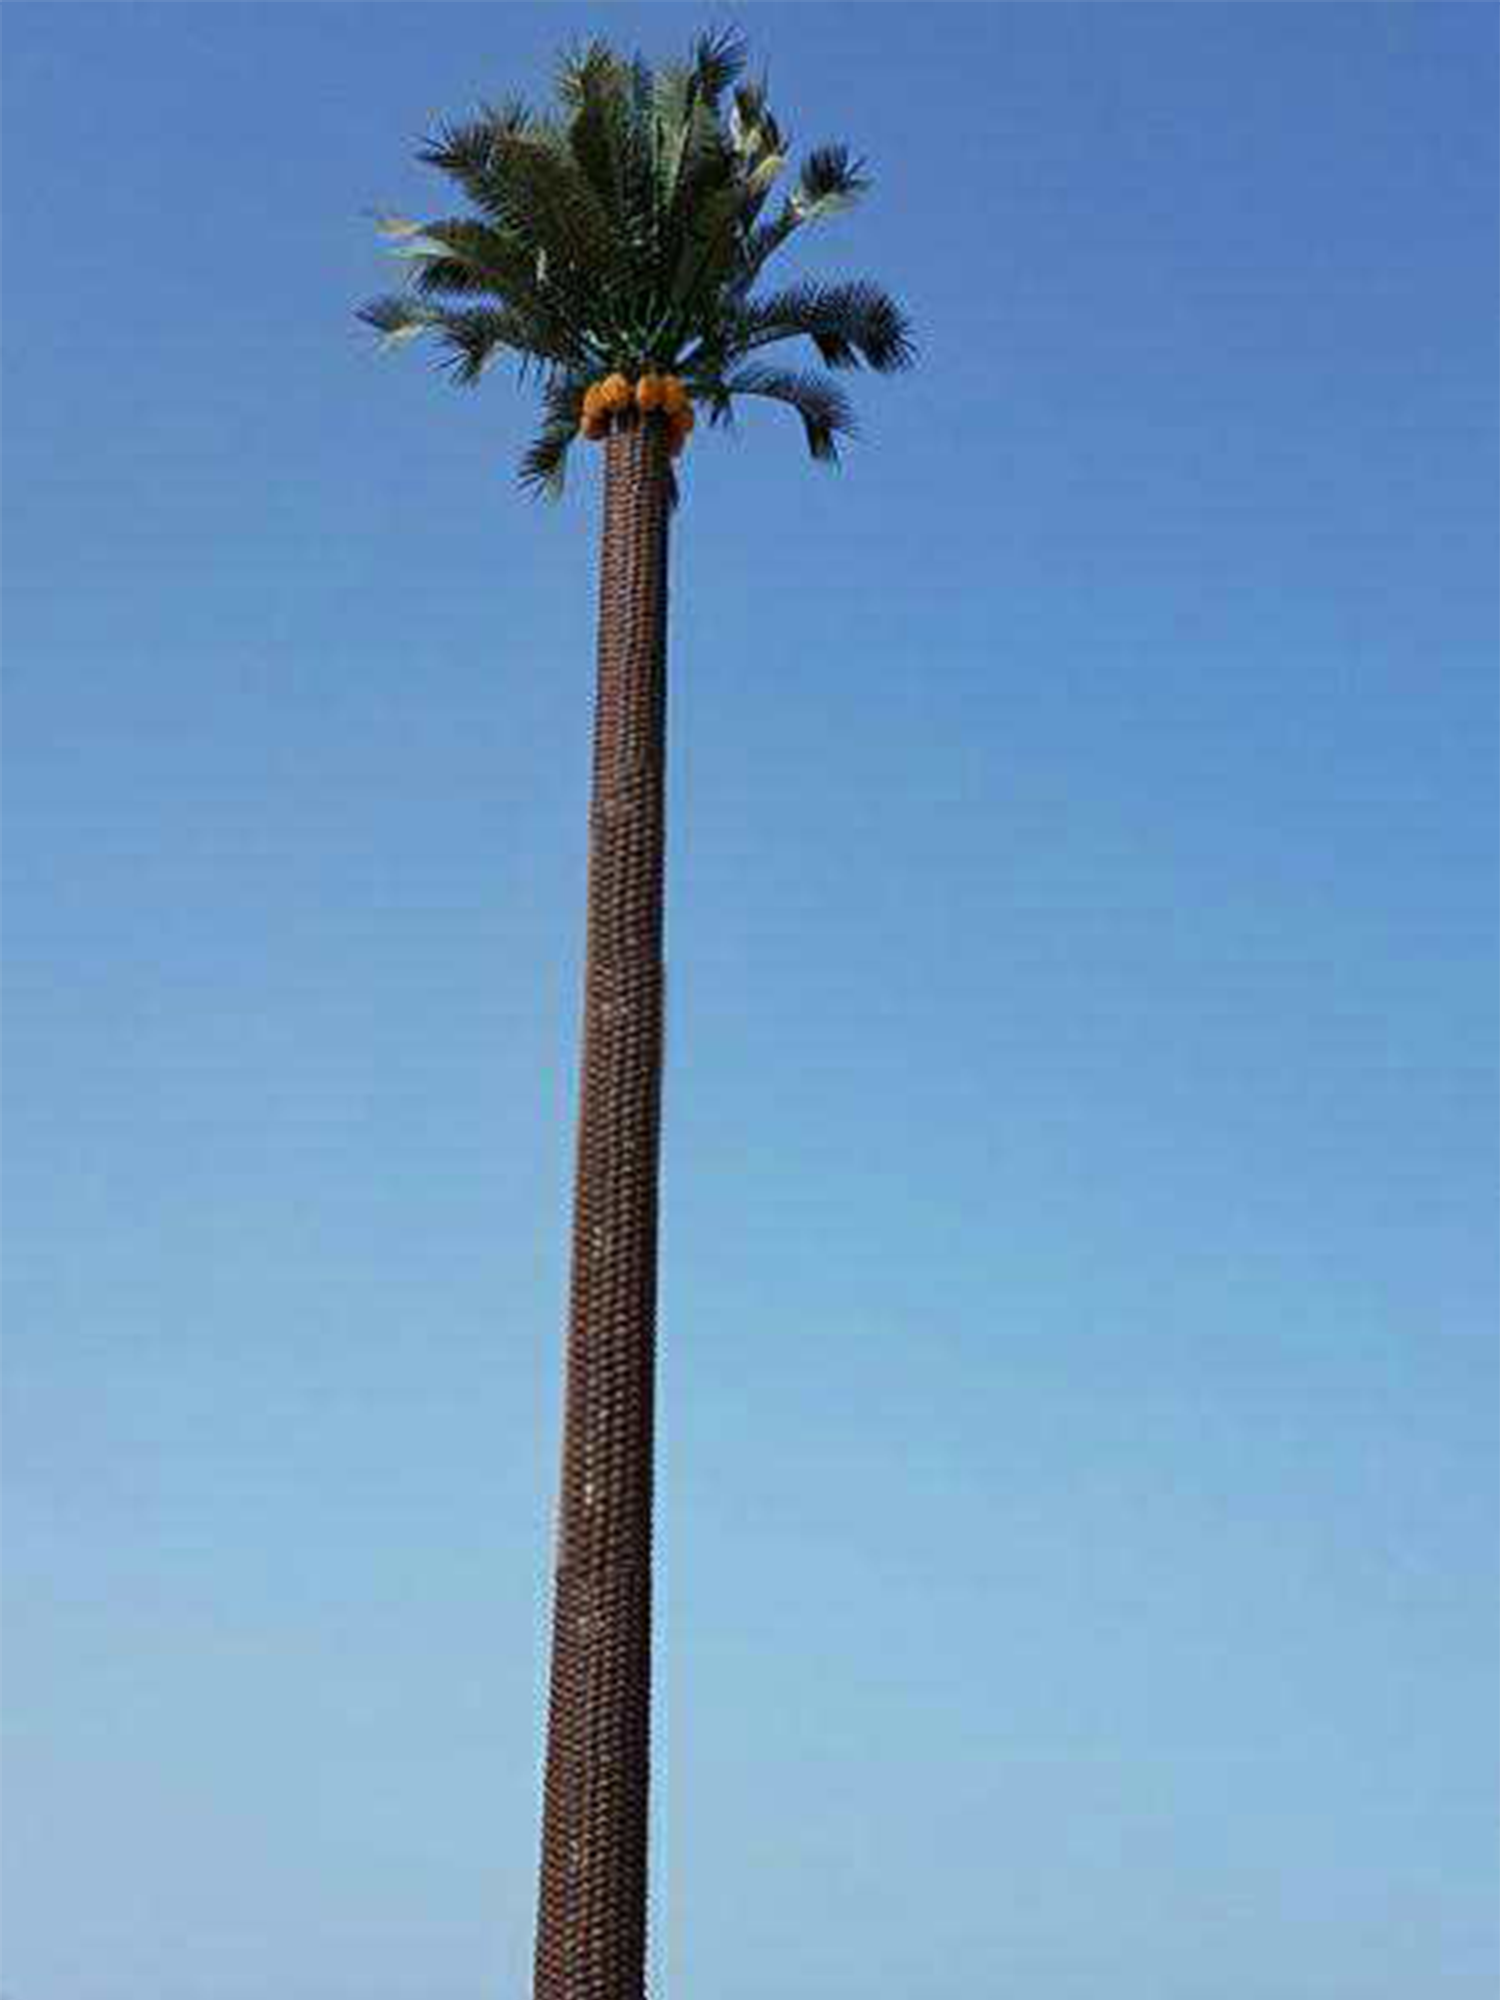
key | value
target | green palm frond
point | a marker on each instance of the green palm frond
(469, 338)
(598, 124)
(520, 173)
(718, 60)
(396, 319)
(825, 410)
(553, 202)
(464, 255)
(464, 149)
(705, 160)
(543, 468)
(852, 324)
(705, 243)
(581, 68)
(475, 336)
(465, 258)
(831, 180)
(603, 132)
(752, 129)
(716, 400)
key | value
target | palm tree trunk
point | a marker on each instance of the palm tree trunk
(591, 1926)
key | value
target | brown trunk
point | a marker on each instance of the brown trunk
(591, 1924)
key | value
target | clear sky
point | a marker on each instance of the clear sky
(1079, 1296)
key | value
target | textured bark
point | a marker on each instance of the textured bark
(591, 1925)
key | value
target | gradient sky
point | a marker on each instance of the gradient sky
(1080, 1280)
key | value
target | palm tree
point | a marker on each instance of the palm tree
(615, 248)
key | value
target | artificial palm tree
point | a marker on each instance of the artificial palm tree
(615, 247)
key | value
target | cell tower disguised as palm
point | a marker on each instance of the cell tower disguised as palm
(616, 247)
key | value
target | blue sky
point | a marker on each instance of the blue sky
(1079, 1379)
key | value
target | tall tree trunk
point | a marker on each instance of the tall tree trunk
(591, 1926)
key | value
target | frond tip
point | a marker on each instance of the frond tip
(825, 410)
(831, 179)
(852, 325)
(544, 464)
(470, 338)
(396, 320)
(718, 61)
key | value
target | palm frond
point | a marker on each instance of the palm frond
(710, 250)
(704, 162)
(520, 172)
(553, 201)
(821, 404)
(594, 132)
(613, 139)
(606, 138)
(470, 338)
(715, 398)
(463, 258)
(752, 129)
(396, 319)
(852, 324)
(831, 179)
(459, 254)
(463, 149)
(672, 117)
(672, 91)
(475, 336)
(583, 69)
(544, 464)
(718, 60)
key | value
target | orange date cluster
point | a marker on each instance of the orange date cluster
(616, 396)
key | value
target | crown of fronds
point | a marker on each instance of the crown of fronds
(627, 231)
